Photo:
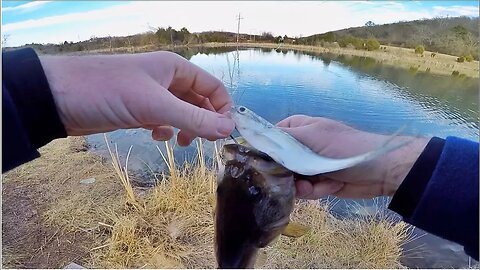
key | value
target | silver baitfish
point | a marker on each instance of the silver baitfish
(289, 152)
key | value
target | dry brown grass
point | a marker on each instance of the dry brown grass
(367, 242)
(174, 229)
(171, 225)
(11, 259)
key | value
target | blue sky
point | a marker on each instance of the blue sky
(25, 22)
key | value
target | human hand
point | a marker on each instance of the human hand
(379, 177)
(156, 91)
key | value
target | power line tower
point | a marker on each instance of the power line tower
(238, 26)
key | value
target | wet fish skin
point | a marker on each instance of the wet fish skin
(254, 200)
(292, 154)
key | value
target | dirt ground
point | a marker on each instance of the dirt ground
(41, 226)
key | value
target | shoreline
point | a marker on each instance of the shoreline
(441, 64)
(405, 58)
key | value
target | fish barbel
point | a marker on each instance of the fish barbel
(255, 197)
(289, 152)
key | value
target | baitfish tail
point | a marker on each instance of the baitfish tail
(339, 164)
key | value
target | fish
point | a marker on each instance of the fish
(292, 154)
(255, 196)
(256, 187)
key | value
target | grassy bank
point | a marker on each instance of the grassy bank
(441, 64)
(51, 218)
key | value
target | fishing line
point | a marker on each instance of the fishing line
(234, 139)
(233, 80)
(231, 136)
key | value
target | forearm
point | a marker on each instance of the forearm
(32, 111)
(440, 193)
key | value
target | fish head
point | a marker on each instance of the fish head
(254, 200)
(246, 120)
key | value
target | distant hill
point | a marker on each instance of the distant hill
(455, 36)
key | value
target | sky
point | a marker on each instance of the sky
(25, 22)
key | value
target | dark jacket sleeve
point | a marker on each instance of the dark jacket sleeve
(440, 193)
(29, 115)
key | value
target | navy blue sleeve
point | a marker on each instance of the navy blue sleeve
(440, 193)
(29, 115)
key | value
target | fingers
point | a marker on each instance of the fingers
(358, 191)
(315, 190)
(198, 100)
(322, 123)
(194, 121)
(165, 133)
(293, 121)
(184, 138)
(162, 133)
(189, 77)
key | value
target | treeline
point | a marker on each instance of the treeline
(153, 39)
(330, 39)
(455, 36)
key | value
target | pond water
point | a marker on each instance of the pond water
(358, 91)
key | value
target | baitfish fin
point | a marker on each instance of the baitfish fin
(295, 230)
(277, 171)
(237, 140)
(241, 141)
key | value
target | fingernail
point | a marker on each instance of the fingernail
(225, 126)
(228, 114)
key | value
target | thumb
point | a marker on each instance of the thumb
(197, 121)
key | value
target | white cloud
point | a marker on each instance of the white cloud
(115, 12)
(456, 11)
(26, 6)
(280, 17)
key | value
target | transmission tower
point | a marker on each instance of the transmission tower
(238, 26)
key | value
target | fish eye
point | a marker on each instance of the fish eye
(241, 109)
(253, 190)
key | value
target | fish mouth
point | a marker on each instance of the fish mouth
(241, 258)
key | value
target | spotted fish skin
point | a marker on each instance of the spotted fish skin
(254, 200)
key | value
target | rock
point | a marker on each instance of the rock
(73, 265)
(88, 181)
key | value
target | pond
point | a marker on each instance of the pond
(358, 91)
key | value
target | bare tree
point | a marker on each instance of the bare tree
(132, 48)
(110, 38)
